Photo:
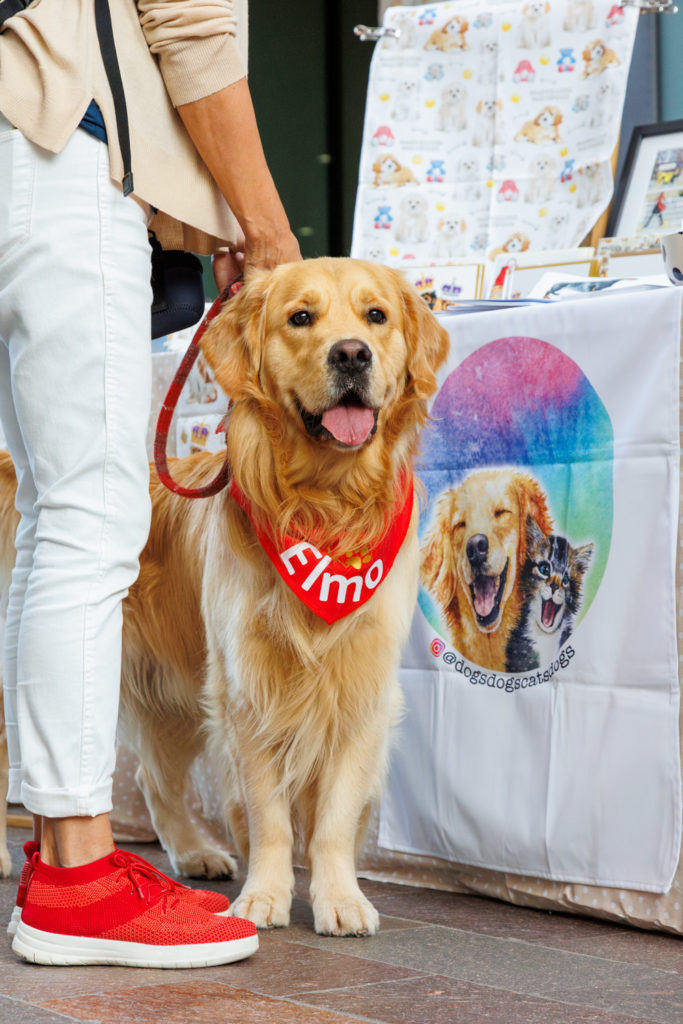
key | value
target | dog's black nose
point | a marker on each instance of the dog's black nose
(477, 549)
(350, 356)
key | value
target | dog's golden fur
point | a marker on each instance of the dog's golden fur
(491, 504)
(296, 713)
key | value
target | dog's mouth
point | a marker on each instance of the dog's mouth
(487, 593)
(349, 423)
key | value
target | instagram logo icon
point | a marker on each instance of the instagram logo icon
(436, 647)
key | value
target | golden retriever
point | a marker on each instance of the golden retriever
(329, 364)
(472, 556)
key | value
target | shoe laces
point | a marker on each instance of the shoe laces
(151, 885)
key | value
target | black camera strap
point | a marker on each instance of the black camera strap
(10, 7)
(105, 35)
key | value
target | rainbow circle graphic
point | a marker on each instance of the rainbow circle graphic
(522, 402)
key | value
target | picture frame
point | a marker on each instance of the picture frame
(640, 256)
(649, 193)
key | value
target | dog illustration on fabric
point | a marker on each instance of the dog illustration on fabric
(518, 472)
(451, 36)
(509, 589)
(473, 555)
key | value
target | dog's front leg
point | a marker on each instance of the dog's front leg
(266, 897)
(347, 784)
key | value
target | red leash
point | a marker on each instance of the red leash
(171, 400)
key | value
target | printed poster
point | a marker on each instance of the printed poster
(541, 676)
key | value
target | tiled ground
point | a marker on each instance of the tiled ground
(439, 958)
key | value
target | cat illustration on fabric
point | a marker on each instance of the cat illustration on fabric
(552, 586)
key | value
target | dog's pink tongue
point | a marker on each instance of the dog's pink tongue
(485, 595)
(349, 424)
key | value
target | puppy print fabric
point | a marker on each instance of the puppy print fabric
(490, 126)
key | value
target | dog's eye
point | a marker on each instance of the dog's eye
(302, 318)
(376, 316)
(543, 568)
(501, 512)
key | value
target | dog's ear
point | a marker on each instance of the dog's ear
(427, 340)
(233, 343)
(438, 560)
(533, 502)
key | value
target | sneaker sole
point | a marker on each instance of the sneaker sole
(13, 922)
(41, 947)
(16, 918)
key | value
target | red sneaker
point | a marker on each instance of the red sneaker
(30, 847)
(214, 902)
(120, 910)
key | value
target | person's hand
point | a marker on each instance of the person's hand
(227, 265)
(265, 250)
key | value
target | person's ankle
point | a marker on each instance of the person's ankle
(72, 842)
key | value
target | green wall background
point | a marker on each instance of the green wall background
(671, 65)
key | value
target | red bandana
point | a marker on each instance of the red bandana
(329, 587)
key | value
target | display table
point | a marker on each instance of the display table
(548, 763)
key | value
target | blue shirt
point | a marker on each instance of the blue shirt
(93, 123)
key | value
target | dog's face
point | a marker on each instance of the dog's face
(456, 26)
(451, 227)
(407, 87)
(489, 107)
(453, 93)
(594, 51)
(335, 348)
(517, 243)
(543, 165)
(478, 542)
(414, 206)
(468, 169)
(549, 117)
(386, 165)
(534, 11)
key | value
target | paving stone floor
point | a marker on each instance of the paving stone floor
(439, 958)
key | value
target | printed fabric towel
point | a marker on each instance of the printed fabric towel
(490, 127)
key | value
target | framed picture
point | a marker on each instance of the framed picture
(640, 256)
(527, 268)
(649, 195)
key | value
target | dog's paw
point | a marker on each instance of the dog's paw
(350, 915)
(264, 909)
(207, 862)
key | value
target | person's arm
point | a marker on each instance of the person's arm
(204, 73)
(224, 130)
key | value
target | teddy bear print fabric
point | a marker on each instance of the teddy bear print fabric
(489, 128)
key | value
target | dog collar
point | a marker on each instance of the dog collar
(333, 587)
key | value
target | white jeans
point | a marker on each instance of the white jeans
(75, 381)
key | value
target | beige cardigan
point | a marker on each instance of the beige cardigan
(170, 52)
